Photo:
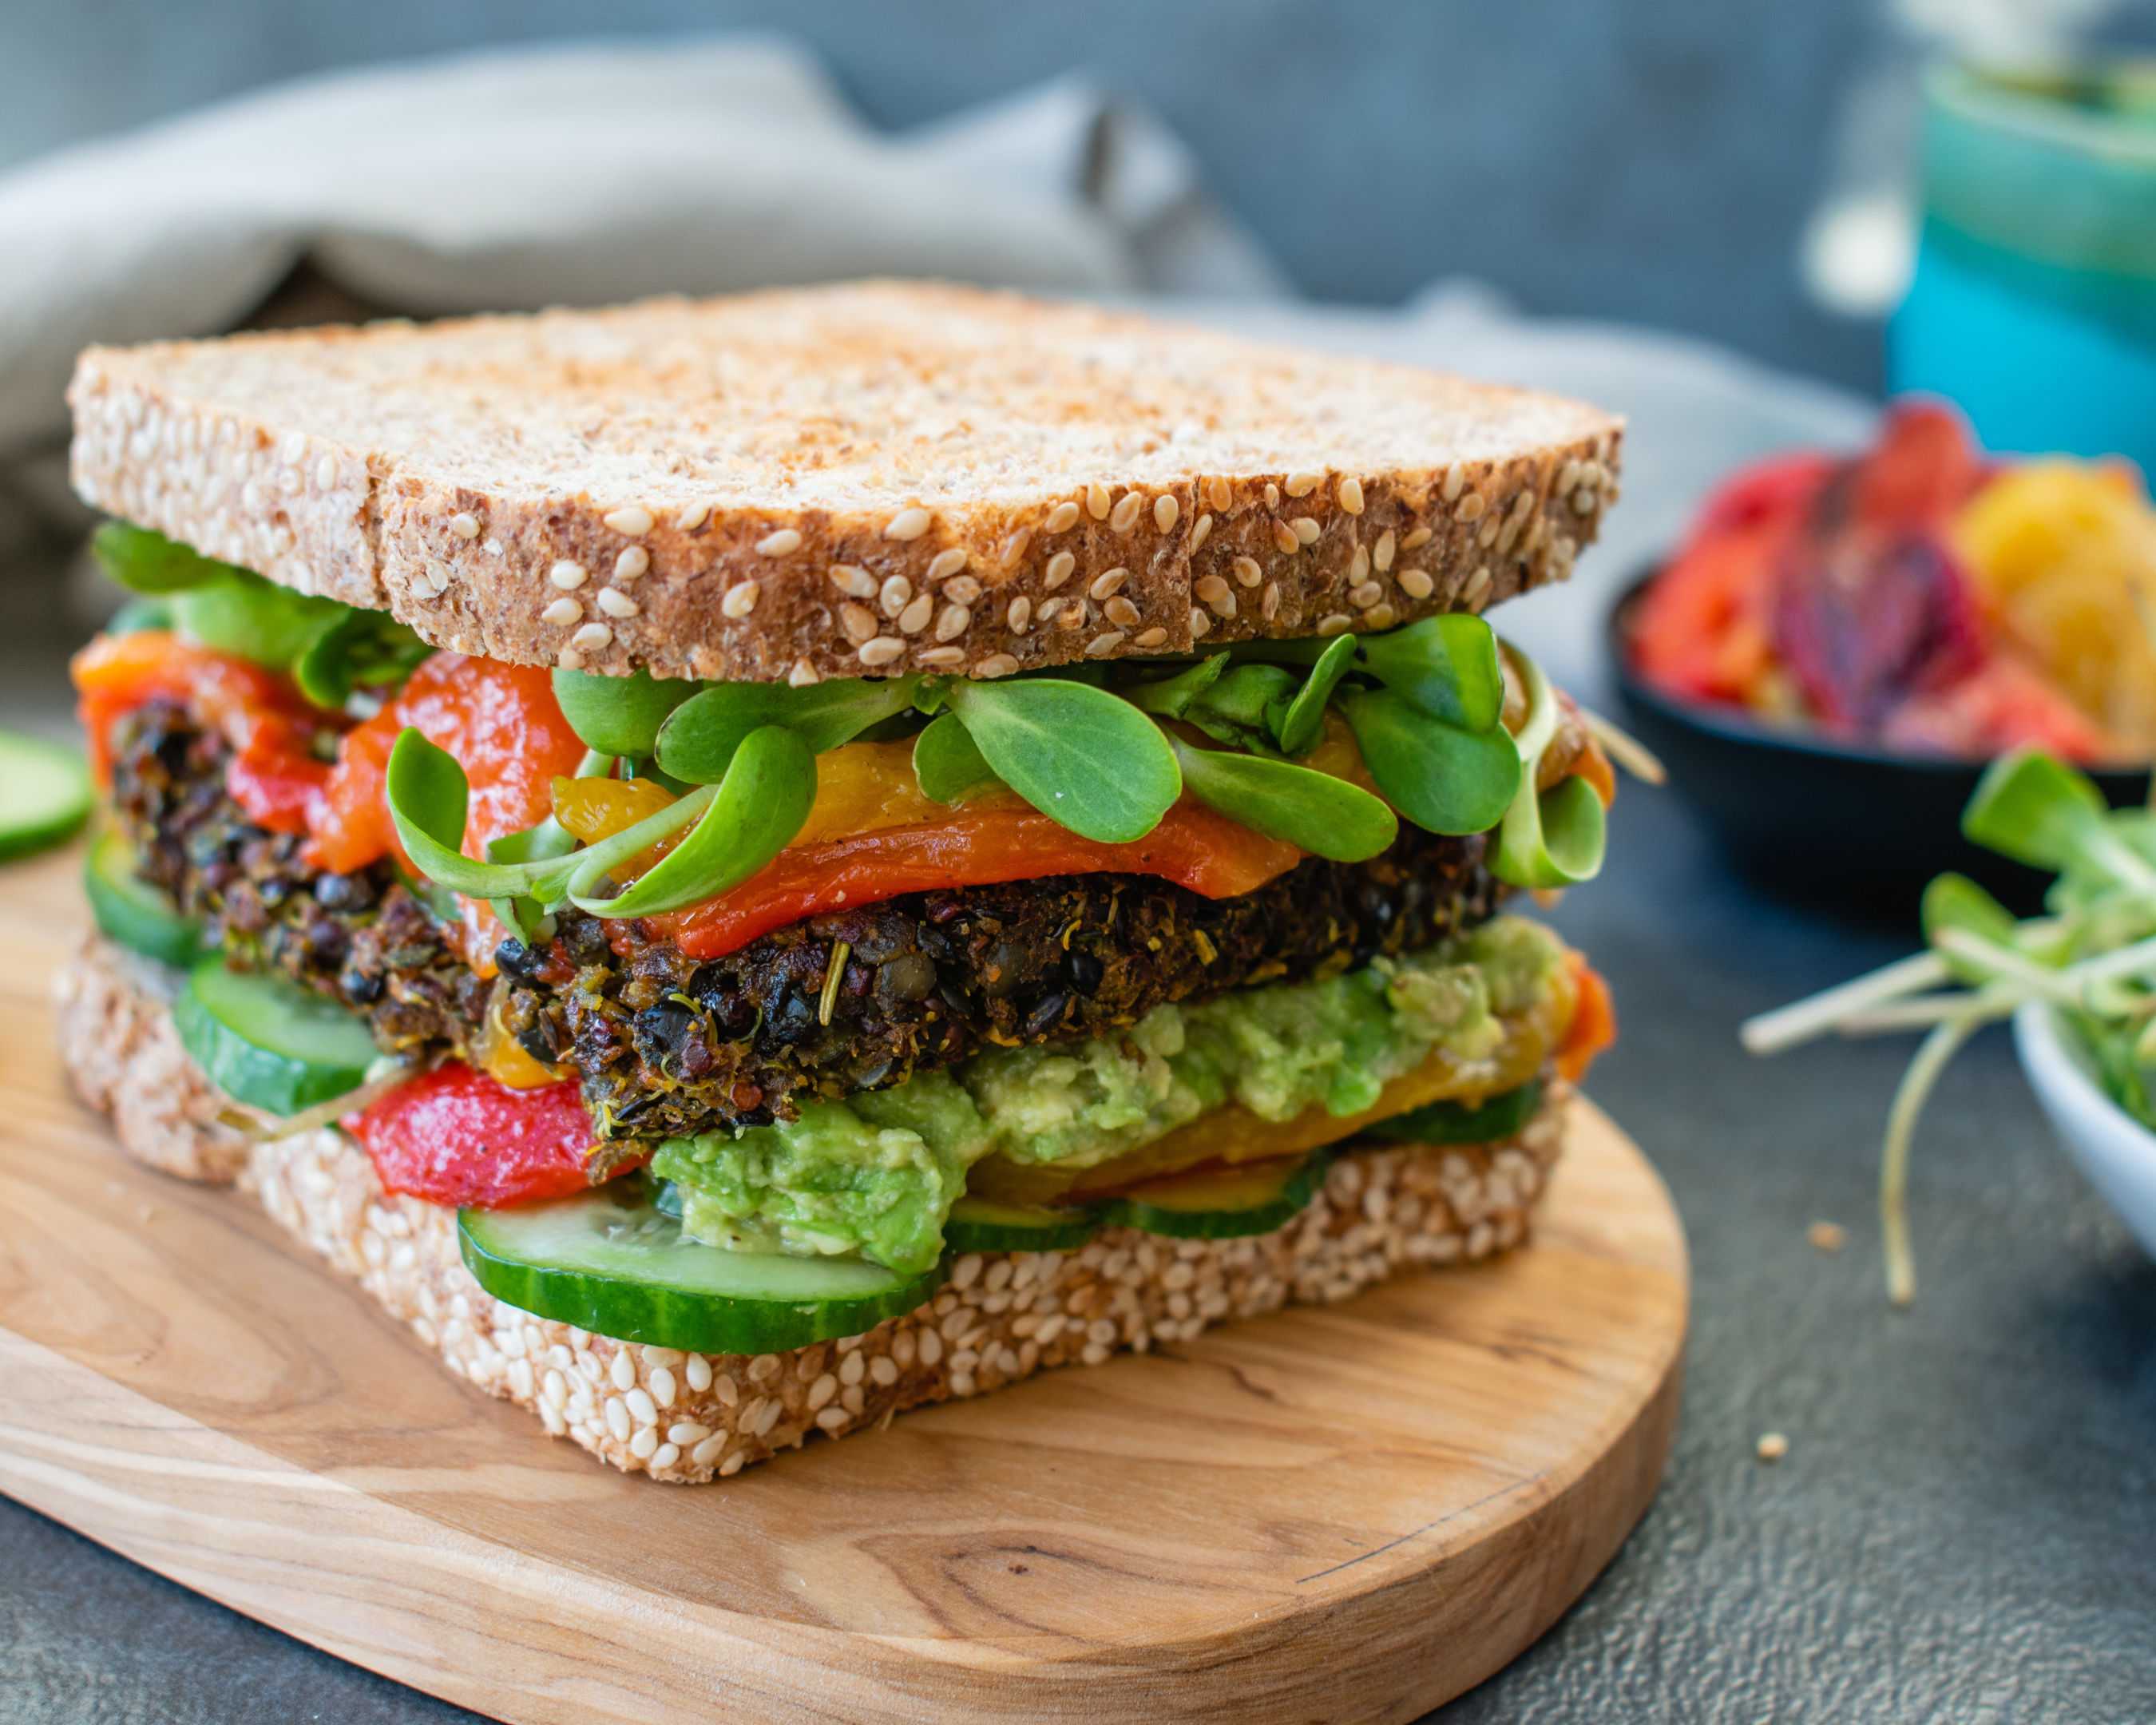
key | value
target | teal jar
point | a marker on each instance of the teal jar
(2033, 304)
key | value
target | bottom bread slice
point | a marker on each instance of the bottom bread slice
(690, 1417)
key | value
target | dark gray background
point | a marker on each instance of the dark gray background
(1650, 160)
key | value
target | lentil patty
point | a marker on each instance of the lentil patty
(850, 1000)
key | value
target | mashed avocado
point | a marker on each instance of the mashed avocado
(877, 1172)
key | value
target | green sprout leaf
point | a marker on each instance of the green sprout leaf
(1954, 903)
(1299, 724)
(1086, 758)
(543, 842)
(1237, 709)
(1171, 696)
(761, 804)
(1326, 816)
(1443, 778)
(697, 743)
(1446, 666)
(146, 562)
(356, 650)
(949, 764)
(1552, 838)
(619, 716)
(2036, 810)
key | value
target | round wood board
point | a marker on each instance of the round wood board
(1350, 1512)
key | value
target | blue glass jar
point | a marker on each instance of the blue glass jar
(2033, 301)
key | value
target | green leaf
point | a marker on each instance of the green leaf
(1327, 816)
(246, 616)
(146, 562)
(1441, 778)
(1171, 696)
(1298, 725)
(352, 649)
(1235, 710)
(543, 842)
(619, 716)
(698, 742)
(1086, 758)
(1552, 839)
(138, 614)
(1446, 665)
(759, 806)
(949, 764)
(1955, 901)
(2036, 810)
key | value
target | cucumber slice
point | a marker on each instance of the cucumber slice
(131, 911)
(269, 1043)
(609, 1261)
(980, 1225)
(1223, 1203)
(45, 793)
(1482, 1122)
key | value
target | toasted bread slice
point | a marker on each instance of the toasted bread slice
(689, 1417)
(836, 482)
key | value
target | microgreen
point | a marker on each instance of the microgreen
(697, 743)
(1443, 778)
(2092, 958)
(619, 716)
(1446, 666)
(1547, 838)
(1086, 758)
(948, 764)
(1326, 816)
(1298, 725)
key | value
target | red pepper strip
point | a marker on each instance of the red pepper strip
(454, 1136)
(1594, 1026)
(1191, 846)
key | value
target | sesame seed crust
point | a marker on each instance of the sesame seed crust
(441, 473)
(690, 1418)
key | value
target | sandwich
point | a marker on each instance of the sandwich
(747, 865)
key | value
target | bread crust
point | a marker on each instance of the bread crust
(689, 1418)
(867, 478)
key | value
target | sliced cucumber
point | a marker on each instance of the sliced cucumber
(1223, 1203)
(980, 1225)
(610, 1262)
(131, 911)
(1482, 1122)
(269, 1043)
(45, 793)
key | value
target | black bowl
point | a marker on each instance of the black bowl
(1856, 828)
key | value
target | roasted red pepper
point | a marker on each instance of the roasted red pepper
(453, 1136)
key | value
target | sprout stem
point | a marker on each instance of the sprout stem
(1786, 1026)
(1626, 750)
(1933, 1055)
(1930, 1010)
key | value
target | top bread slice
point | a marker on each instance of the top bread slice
(848, 481)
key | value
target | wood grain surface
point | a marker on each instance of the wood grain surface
(1345, 1513)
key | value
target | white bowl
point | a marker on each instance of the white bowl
(2115, 1150)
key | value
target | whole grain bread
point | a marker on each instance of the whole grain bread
(871, 478)
(690, 1417)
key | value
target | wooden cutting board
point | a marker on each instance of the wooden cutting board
(1347, 1513)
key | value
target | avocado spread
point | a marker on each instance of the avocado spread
(877, 1174)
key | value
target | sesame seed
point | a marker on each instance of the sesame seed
(687, 1433)
(1302, 484)
(880, 651)
(662, 1384)
(617, 1420)
(1247, 571)
(1096, 500)
(1269, 608)
(1492, 526)
(1165, 510)
(1380, 616)
(1285, 537)
(821, 1391)
(948, 564)
(1772, 1447)
(1349, 491)
(1272, 496)
(850, 578)
(1125, 515)
(326, 475)
(494, 547)
(1061, 519)
(941, 657)
(1472, 508)
(1583, 501)
(803, 676)
(622, 1369)
(693, 517)
(897, 593)
(1416, 583)
(907, 524)
(1108, 582)
(1456, 480)
(1478, 584)
(1218, 594)
(641, 1408)
(1201, 625)
(1019, 614)
(733, 1463)
(1058, 571)
(1827, 1236)
(1104, 644)
(645, 1443)
(915, 617)
(665, 1456)
(740, 598)
(464, 526)
(1335, 624)
(784, 543)
(631, 565)
(834, 1420)
(952, 622)
(1306, 529)
(1201, 530)
(858, 621)
(616, 604)
(1358, 566)
(1419, 538)
(1364, 597)
(697, 1372)
(569, 659)
(1151, 637)
(635, 520)
(996, 664)
(1121, 611)
(592, 636)
(1382, 553)
(563, 611)
(568, 576)
(1219, 493)
(963, 591)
